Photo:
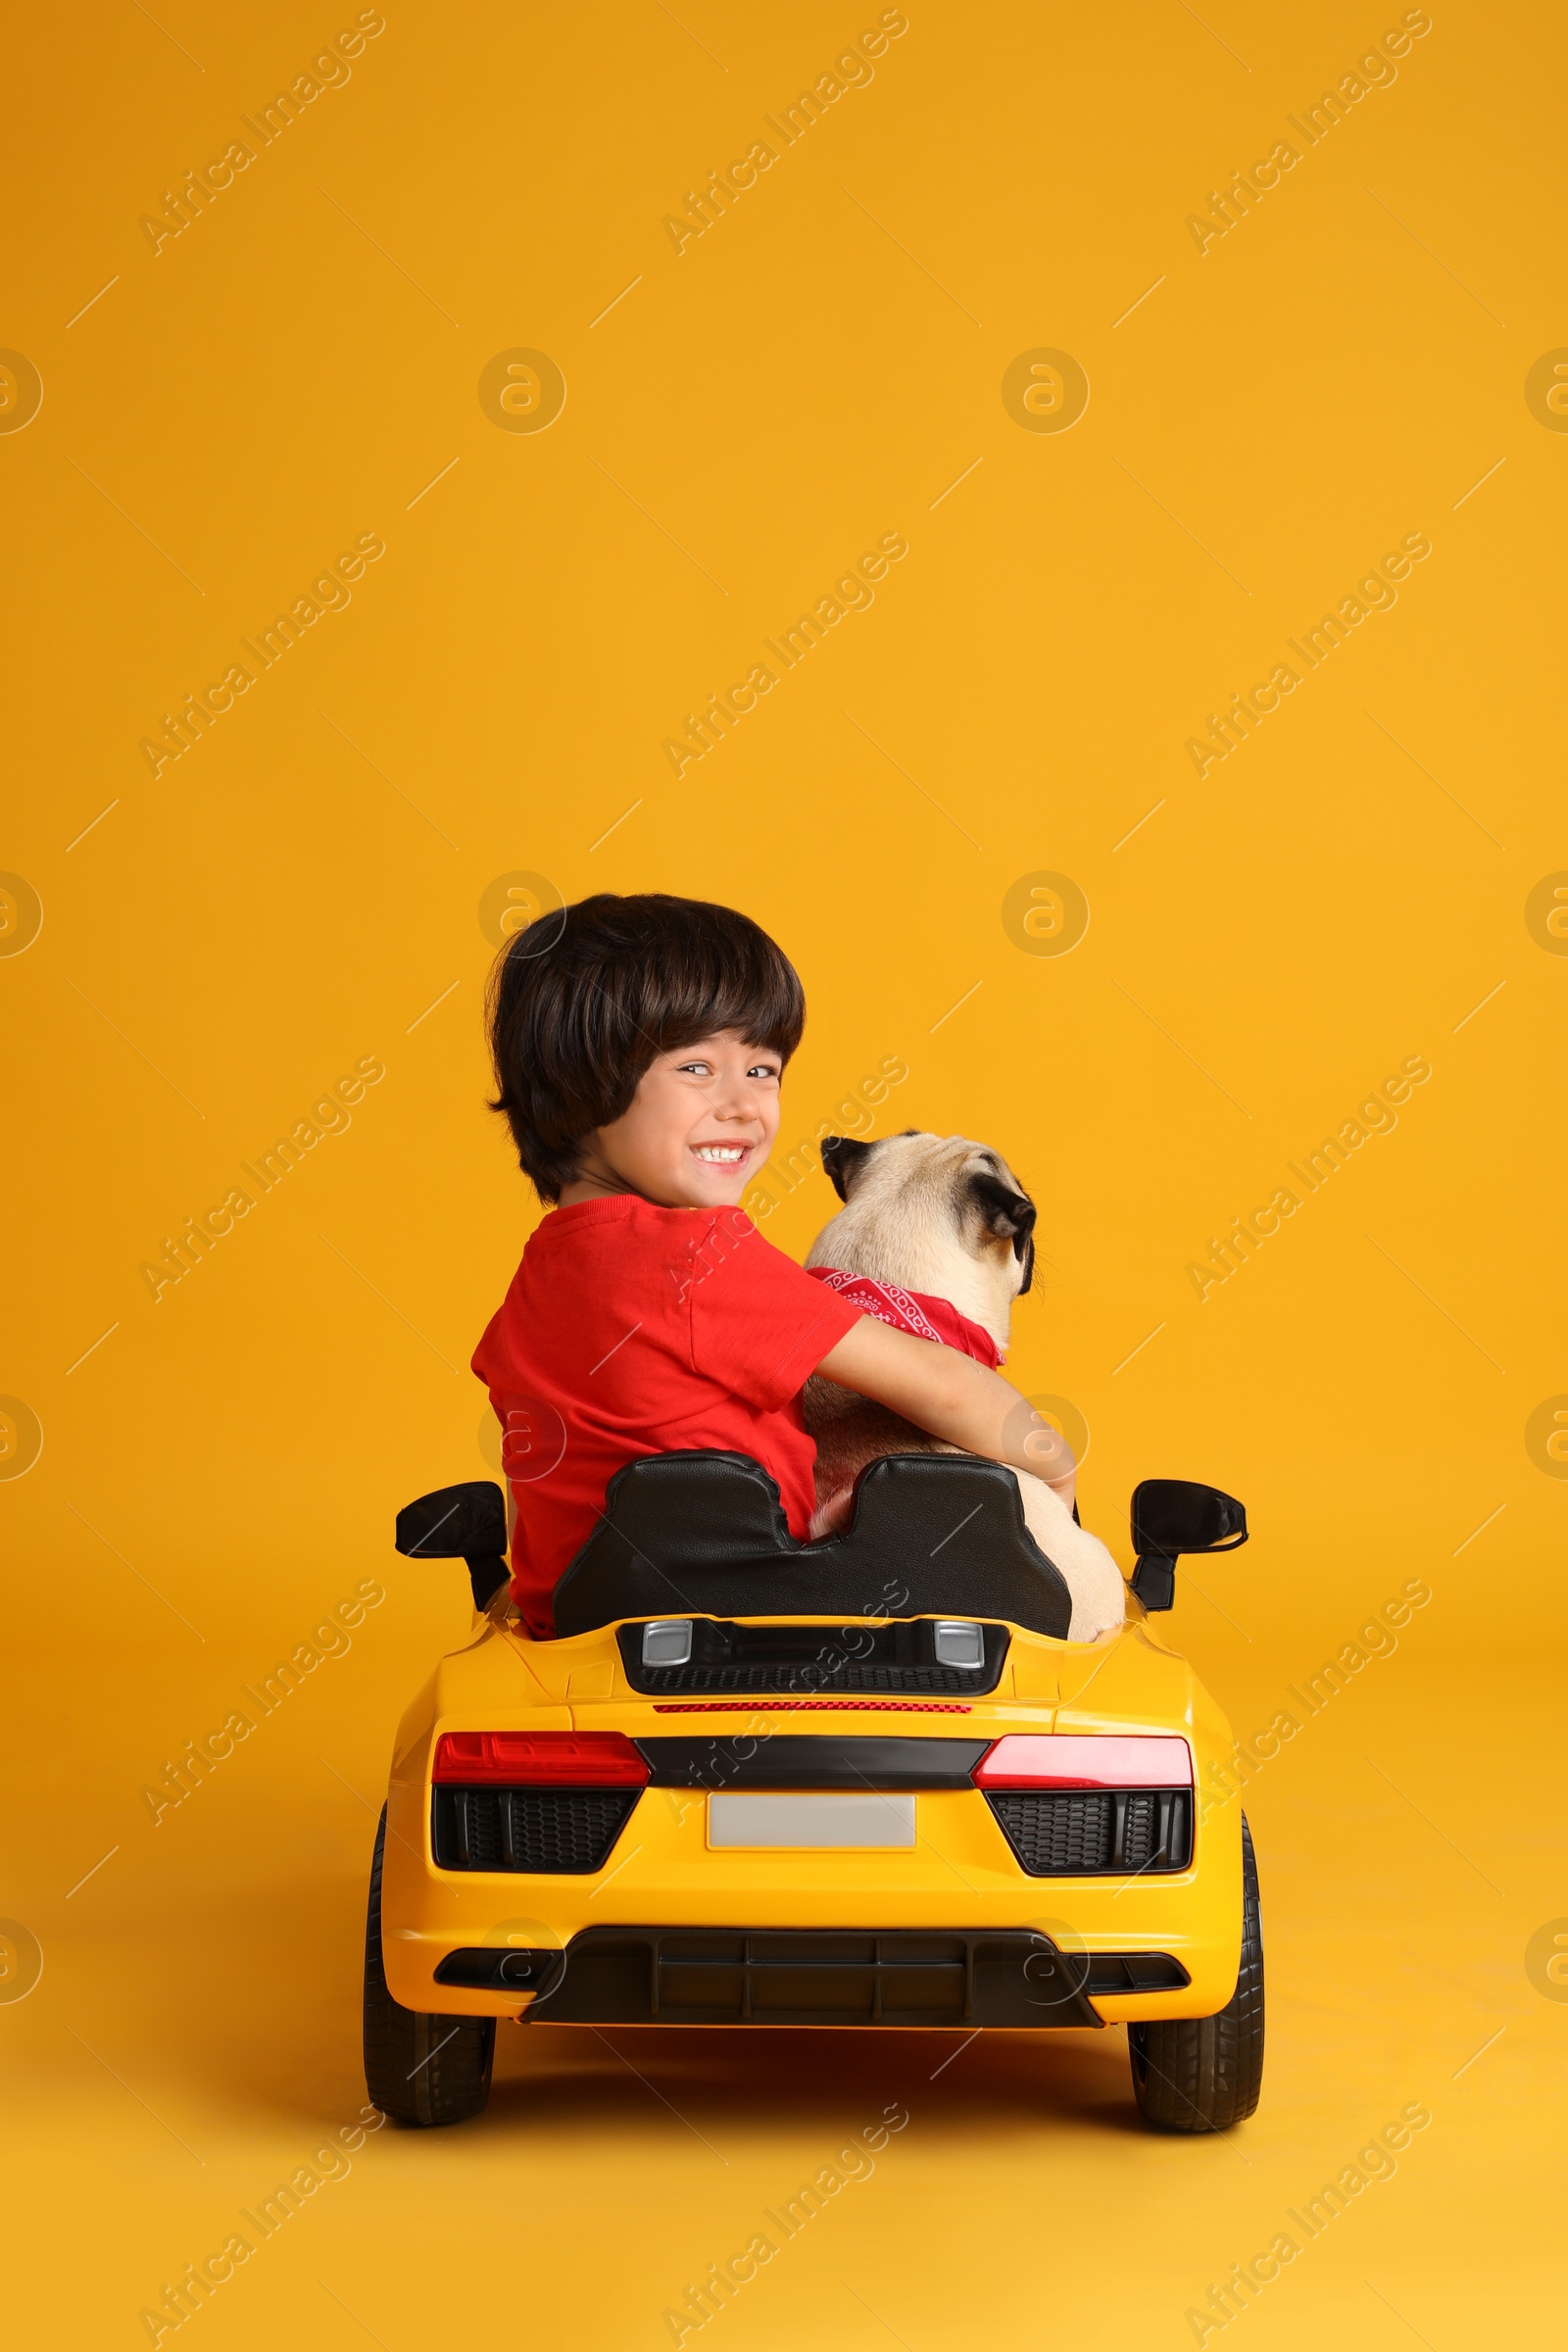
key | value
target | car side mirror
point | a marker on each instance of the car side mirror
(467, 1523)
(1174, 1515)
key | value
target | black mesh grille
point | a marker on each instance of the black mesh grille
(1083, 1833)
(799, 1660)
(558, 1829)
(1141, 1829)
(954, 1682)
(1055, 1832)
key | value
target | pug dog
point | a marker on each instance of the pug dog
(945, 1230)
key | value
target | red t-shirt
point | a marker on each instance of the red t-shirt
(632, 1330)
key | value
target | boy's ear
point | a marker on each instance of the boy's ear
(842, 1160)
(1007, 1216)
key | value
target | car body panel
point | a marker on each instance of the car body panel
(661, 1871)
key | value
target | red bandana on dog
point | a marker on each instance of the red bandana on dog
(923, 1317)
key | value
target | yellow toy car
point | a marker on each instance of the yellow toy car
(865, 1782)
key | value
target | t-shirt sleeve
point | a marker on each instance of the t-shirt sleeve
(759, 1325)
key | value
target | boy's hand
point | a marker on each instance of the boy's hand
(954, 1399)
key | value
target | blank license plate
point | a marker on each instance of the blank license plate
(857, 1818)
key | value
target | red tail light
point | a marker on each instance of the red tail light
(541, 1759)
(1100, 1760)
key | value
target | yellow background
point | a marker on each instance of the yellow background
(300, 366)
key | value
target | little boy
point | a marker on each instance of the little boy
(639, 1045)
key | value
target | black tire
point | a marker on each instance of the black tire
(1204, 2074)
(419, 2068)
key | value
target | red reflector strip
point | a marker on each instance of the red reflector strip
(540, 1759)
(1097, 1760)
(811, 1706)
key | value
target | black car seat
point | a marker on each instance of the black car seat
(703, 1533)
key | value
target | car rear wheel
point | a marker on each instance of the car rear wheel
(1202, 2073)
(419, 2068)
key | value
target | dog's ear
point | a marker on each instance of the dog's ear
(1009, 1217)
(841, 1160)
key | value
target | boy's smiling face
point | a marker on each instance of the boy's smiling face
(699, 1128)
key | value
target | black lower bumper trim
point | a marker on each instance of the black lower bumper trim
(815, 1977)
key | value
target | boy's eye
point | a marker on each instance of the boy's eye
(706, 1070)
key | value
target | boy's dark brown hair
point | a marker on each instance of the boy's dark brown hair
(581, 1001)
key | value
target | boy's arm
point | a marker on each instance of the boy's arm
(952, 1396)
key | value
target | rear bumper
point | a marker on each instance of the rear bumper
(838, 1977)
(1135, 1946)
